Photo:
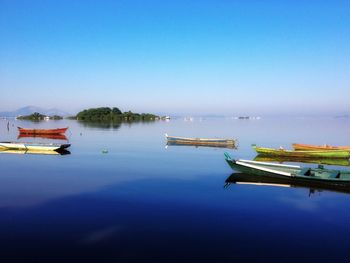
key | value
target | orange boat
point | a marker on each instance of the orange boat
(58, 136)
(42, 131)
(310, 147)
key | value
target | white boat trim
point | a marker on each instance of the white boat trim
(271, 164)
(263, 169)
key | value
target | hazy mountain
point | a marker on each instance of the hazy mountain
(31, 109)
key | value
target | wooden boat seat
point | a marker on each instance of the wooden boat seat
(305, 171)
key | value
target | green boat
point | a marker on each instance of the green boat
(248, 179)
(294, 172)
(302, 154)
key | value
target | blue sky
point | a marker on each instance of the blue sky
(177, 57)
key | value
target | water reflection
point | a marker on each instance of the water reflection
(198, 144)
(100, 124)
(58, 152)
(44, 136)
(337, 162)
(247, 179)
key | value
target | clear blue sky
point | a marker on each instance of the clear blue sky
(221, 57)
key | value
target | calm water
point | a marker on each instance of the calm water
(143, 202)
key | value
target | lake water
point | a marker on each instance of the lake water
(145, 202)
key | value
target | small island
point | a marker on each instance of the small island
(113, 114)
(36, 116)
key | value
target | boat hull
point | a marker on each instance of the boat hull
(309, 147)
(42, 131)
(303, 154)
(33, 146)
(201, 141)
(201, 144)
(36, 152)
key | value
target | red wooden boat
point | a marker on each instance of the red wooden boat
(42, 131)
(59, 136)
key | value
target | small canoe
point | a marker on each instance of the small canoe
(58, 136)
(309, 147)
(42, 131)
(313, 186)
(200, 141)
(33, 146)
(302, 154)
(289, 171)
(286, 159)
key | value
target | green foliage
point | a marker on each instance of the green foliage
(36, 116)
(114, 114)
(56, 117)
(116, 111)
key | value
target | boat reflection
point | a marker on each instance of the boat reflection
(44, 136)
(58, 152)
(247, 179)
(198, 144)
(329, 161)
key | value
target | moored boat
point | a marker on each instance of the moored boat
(310, 147)
(33, 146)
(289, 171)
(200, 141)
(303, 154)
(42, 131)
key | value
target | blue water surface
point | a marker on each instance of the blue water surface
(146, 202)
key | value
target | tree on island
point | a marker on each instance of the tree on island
(36, 116)
(113, 114)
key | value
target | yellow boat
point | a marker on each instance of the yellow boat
(302, 154)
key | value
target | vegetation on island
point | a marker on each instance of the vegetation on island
(36, 116)
(113, 114)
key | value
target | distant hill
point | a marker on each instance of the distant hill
(31, 109)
